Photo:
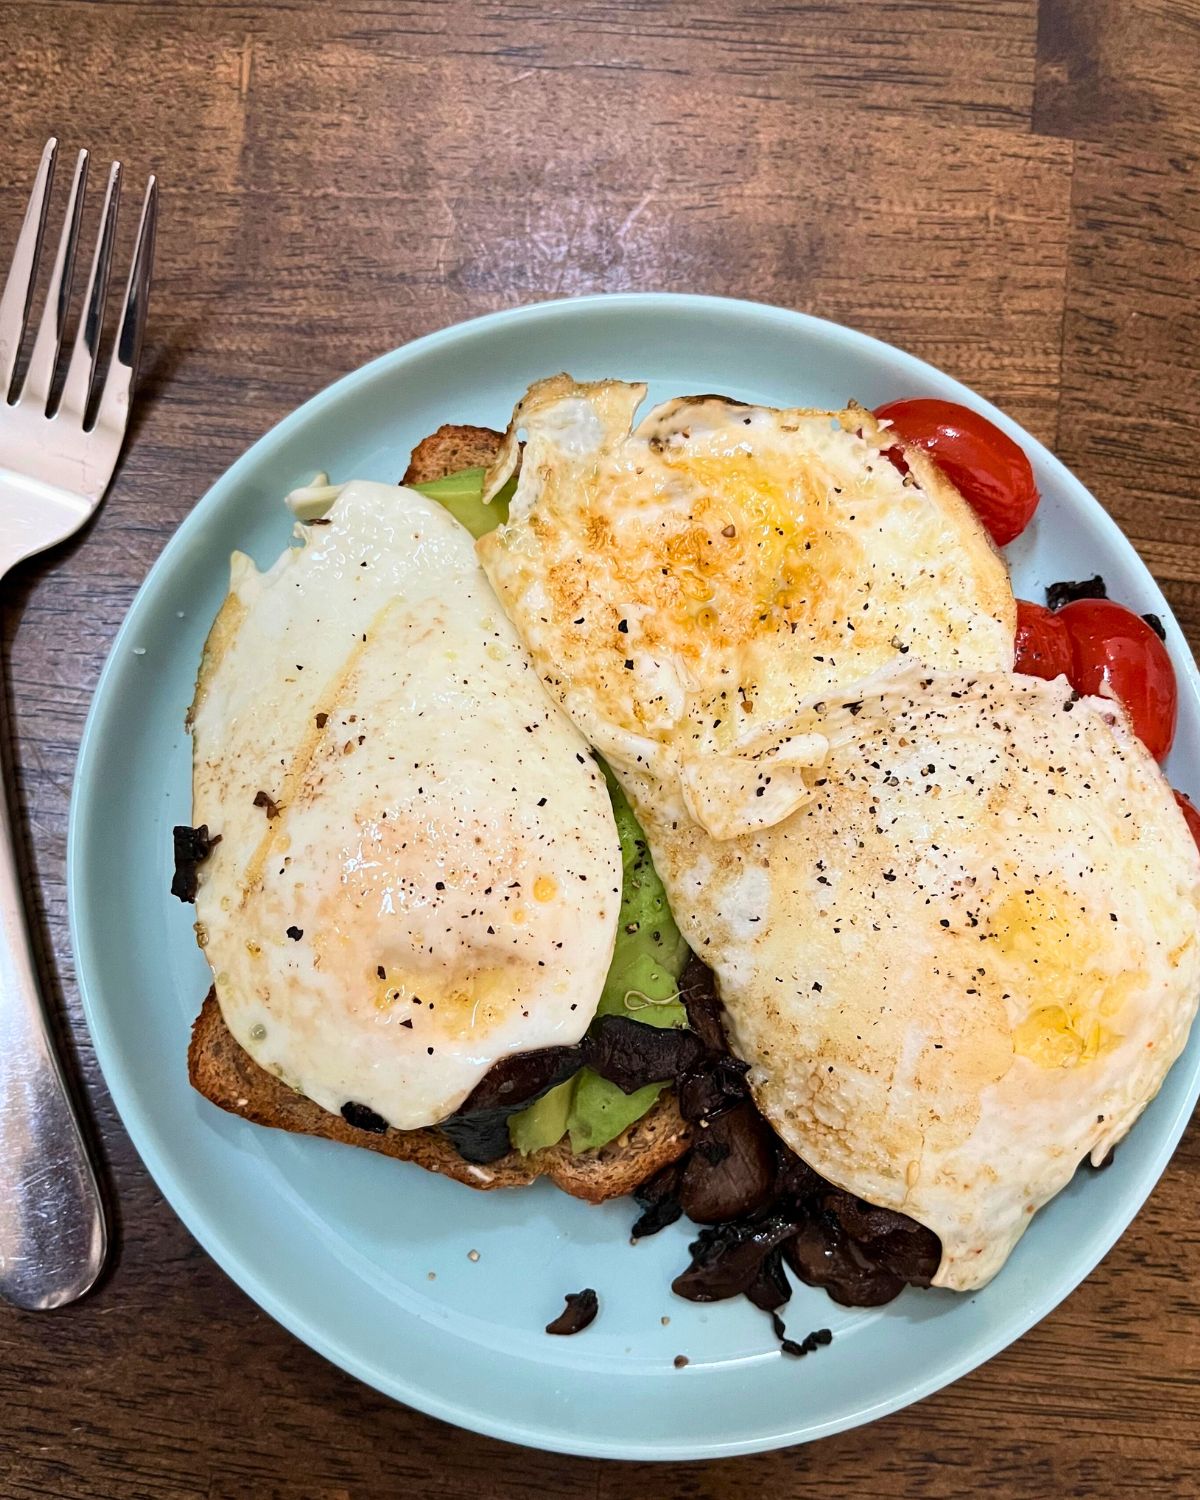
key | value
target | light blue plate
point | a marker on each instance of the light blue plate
(368, 1261)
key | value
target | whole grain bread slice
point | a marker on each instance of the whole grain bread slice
(225, 1073)
(449, 449)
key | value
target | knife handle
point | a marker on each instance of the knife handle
(52, 1232)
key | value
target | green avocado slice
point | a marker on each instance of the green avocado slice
(545, 1122)
(643, 982)
(462, 495)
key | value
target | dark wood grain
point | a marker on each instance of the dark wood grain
(1118, 72)
(1010, 189)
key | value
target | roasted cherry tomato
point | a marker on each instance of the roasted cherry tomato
(1043, 642)
(1115, 649)
(1191, 815)
(984, 464)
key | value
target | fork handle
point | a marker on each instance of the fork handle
(52, 1233)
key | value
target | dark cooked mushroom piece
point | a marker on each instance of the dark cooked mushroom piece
(698, 991)
(713, 1086)
(794, 1178)
(478, 1129)
(633, 1055)
(728, 1258)
(523, 1077)
(1066, 592)
(770, 1290)
(658, 1198)
(628, 1053)
(809, 1344)
(822, 1254)
(580, 1311)
(889, 1239)
(862, 1255)
(363, 1118)
(731, 1171)
(191, 847)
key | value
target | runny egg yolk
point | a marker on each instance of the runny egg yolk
(763, 543)
(456, 1010)
(1034, 937)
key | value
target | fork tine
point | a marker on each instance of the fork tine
(113, 411)
(81, 372)
(18, 289)
(40, 376)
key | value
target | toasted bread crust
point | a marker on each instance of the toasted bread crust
(228, 1077)
(452, 448)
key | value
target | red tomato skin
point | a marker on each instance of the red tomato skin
(989, 470)
(1113, 648)
(1043, 646)
(1191, 815)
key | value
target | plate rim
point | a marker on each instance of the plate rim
(139, 1123)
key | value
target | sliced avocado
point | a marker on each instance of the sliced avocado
(650, 953)
(600, 1111)
(462, 495)
(643, 982)
(544, 1123)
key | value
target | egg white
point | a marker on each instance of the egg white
(684, 584)
(968, 962)
(431, 879)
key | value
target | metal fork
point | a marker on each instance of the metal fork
(55, 465)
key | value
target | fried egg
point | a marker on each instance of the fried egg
(968, 962)
(684, 584)
(418, 871)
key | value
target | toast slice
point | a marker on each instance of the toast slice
(449, 449)
(221, 1069)
(229, 1077)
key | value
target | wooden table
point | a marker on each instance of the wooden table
(1008, 189)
